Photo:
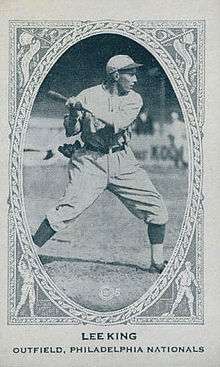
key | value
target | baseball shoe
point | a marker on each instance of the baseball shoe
(158, 268)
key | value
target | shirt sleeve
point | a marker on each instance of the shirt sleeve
(123, 117)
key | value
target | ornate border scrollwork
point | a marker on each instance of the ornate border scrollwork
(35, 47)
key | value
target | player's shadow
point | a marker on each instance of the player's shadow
(45, 259)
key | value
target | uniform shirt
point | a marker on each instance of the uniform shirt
(186, 278)
(113, 115)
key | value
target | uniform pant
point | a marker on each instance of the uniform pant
(183, 290)
(90, 173)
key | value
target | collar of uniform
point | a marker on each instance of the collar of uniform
(112, 95)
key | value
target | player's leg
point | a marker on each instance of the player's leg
(178, 299)
(87, 180)
(190, 299)
(24, 294)
(156, 233)
(32, 298)
(43, 233)
(134, 188)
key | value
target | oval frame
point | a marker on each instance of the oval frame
(139, 34)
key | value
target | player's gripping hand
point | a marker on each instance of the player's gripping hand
(74, 103)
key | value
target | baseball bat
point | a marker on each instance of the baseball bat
(78, 106)
(60, 98)
(57, 96)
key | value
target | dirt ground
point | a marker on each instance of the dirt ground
(101, 261)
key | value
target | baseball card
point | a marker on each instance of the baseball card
(109, 204)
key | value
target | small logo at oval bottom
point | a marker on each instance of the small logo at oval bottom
(107, 292)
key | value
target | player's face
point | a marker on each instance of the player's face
(127, 80)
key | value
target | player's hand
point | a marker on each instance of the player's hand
(70, 103)
(73, 102)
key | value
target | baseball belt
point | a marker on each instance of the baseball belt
(107, 150)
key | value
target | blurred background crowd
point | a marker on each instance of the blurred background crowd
(161, 141)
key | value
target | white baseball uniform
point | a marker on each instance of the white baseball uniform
(106, 161)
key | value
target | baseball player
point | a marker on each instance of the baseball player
(105, 161)
(177, 133)
(184, 283)
(27, 289)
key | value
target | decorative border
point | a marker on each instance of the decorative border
(179, 48)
